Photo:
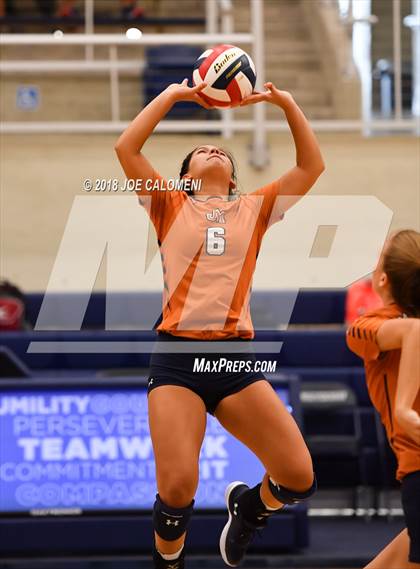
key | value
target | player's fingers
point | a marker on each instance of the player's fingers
(252, 99)
(199, 87)
(246, 102)
(269, 85)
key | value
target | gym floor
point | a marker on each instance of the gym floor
(340, 543)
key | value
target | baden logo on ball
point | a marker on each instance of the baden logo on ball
(229, 73)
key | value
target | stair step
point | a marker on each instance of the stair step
(304, 47)
(292, 63)
(296, 65)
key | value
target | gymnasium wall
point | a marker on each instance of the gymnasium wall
(41, 176)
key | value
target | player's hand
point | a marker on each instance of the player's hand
(270, 95)
(181, 92)
(409, 421)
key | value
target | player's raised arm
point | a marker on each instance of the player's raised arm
(297, 181)
(130, 143)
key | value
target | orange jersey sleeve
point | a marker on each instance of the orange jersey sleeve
(161, 204)
(361, 336)
(270, 209)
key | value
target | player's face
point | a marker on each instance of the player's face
(211, 159)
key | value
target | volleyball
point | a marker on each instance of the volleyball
(229, 73)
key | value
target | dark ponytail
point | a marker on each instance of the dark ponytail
(402, 267)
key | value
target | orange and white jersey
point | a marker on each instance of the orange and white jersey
(209, 251)
(382, 369)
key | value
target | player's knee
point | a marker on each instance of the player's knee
(292, 494)
(168, 522)
(298, 475)
(177, 496)
(177, 490)
(303, 479)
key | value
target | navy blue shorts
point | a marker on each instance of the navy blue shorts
(212, 376)
(410, 490)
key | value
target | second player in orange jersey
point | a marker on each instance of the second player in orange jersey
(388, 340)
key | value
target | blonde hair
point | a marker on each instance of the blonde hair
(401, 264)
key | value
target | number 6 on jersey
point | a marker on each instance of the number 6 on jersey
(215, 244)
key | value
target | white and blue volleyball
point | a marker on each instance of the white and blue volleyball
(229, 73)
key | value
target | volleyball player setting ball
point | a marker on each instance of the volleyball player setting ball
(209, 242)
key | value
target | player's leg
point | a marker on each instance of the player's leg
(404, 551)
(177, 419)
(256, 416)
(272, 434)
(394, 555)
(410, 497)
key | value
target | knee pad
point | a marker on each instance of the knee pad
(287, 496)
(170, 523)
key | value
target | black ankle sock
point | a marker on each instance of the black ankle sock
(252, 507)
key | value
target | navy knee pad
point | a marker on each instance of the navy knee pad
(170, 523)
(287, 496)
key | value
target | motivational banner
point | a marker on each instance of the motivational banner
(90, 449)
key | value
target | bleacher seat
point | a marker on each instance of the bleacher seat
(16, 21)
(11, 366)
(333, 427)
(267, 307)
(166, 65)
